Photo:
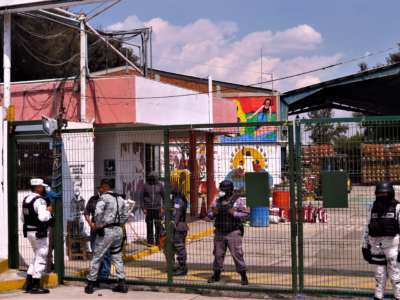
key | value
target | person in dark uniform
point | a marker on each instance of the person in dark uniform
(228, 212)
(180, 232)
(89, 213)
(153, 204)
(381, 239)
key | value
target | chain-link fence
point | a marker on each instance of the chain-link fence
(292, 239)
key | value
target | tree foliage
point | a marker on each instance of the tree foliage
(322, 133)
(45, 49)
(392, 58)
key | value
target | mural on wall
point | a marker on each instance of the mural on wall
(132, 171)
(254, 110)
(246, 159)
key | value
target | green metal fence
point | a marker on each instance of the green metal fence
(310, 245)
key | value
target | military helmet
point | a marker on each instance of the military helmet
(384, 187)
(226, 186)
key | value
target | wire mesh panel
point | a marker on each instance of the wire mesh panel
(125, 158)
(34, 160)
(201, 159)
(192, 162)
(367, 152)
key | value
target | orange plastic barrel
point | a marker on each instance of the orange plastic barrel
(281, 199)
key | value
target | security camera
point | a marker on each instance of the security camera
(49, 125)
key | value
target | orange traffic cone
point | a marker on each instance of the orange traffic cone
(203, 210)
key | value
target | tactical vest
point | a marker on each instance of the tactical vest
(31, 217)
(386, 224)
(182, 209)
(224, 221)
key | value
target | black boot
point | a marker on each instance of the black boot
(243, 280)
(215, 277)
(89, 288)
(182, 270)
(36, 289)
(120, 287)
(28, 283)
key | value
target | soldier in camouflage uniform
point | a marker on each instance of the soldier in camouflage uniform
(111, 213)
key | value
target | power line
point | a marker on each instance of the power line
(250, 85)
(134, 45)
(91, 32)
(44, 37)
(42, 59)
(253, 84)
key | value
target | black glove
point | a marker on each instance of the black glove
(366, 252)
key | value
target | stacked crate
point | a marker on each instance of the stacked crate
(380, 162)
(311, 157)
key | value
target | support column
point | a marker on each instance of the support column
(83, 68)
(6, 104)
(210, 168)
(194, 175)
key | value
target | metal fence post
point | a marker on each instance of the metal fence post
(58, 233)
(168, 209)
(13, 251)
(293, 223)
(299, 181)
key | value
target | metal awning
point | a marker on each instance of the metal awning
(373, 92)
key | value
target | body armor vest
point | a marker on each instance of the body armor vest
(31, 217)
(386, 223)
(224, 221)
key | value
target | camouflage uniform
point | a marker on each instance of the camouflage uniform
(111, 212)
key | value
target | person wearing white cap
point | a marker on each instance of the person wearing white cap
(36, 217)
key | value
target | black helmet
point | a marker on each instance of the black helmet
(384, 187)
(226, 186)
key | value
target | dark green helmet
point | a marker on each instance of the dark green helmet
(226, 186)
(384, 187)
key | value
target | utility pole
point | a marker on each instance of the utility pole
(83, 66)
(261, 65)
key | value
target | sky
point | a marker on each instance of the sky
(224, 38)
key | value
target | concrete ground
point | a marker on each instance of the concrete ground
(76, 292)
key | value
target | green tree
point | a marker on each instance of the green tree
(44, 49)
(324, 133)
(392, 58)
(350, 147)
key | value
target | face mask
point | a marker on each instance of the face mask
(383, 198)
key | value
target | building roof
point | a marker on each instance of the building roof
(223, 85)
(373, 92)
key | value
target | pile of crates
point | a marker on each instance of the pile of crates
(380, 162)
(311, 163)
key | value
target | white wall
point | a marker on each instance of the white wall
(169, 111)
(224, 154)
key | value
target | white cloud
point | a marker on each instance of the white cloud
(307, 80)
(205, 47)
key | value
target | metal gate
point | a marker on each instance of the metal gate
(314, 249)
